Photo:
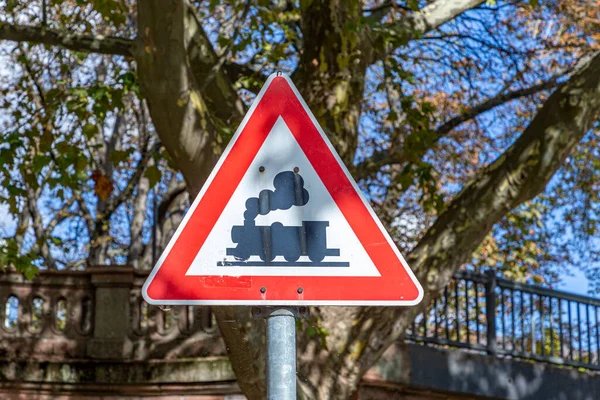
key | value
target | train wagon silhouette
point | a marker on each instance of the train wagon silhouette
(291, 242)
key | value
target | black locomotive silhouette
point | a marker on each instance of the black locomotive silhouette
(270, 241)
(291, 242)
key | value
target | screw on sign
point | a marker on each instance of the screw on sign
(280, 224)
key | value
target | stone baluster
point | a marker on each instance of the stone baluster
(112, 313)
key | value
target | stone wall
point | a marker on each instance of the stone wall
(97, 314)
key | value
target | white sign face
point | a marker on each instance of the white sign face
(280, 153)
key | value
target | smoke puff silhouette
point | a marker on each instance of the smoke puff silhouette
(289, 191)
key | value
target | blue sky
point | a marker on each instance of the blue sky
(577, 283)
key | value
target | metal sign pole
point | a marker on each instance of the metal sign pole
(281, 349)
(281, 354)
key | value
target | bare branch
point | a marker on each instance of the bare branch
(415, 24)
(236, 71)
(398, 155)
(222, 58)
(383, 7)
(494, 102)
(174, 190)
(136, 228)
(69, 40)
(115, 201)
(62, 214)
(41, 245)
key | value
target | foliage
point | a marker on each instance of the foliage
(61, 106)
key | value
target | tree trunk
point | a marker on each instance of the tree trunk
(331, 72)
(193, 107)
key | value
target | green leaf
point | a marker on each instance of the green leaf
(80, 164)
(89, 130)
(117, 156)
(405, 179)
(39, 162)
(30, 271)
(9, 256)
(153, 174)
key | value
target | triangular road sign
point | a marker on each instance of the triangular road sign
(280, 221)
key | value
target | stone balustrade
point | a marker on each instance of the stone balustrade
(97, 314)
(89, 334)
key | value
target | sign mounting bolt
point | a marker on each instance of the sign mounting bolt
(296, 169)
(261, 169)
(263, 289)
(300, 290)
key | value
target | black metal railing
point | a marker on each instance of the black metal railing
(501, 317)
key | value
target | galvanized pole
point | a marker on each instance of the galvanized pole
(281, 354)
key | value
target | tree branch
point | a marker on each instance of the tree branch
(191, 123)
(116, 201)
(236, 71)
(41, 245)
(494, 102)
(69, 40)
(383, 7)
(175, 189)
(398, 155)
(415, 24)
(518, 175)
(61, 215)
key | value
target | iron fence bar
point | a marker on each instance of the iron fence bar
(457, 304)
(560, 327)
(435, 318)
(446, 323)
(579, 331)
(556, 360)
(472, 276)
(597, 337)
(564, 355)
(424, 322)
(538, 290)
(522, 321)
(512, 319)
(543, 341)
(551, 328)
(570, 331)
(502, 315)
(467, 310)
(490, 311)
(532, 312)
(444, 342)
(477, 311)
(589, 340)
